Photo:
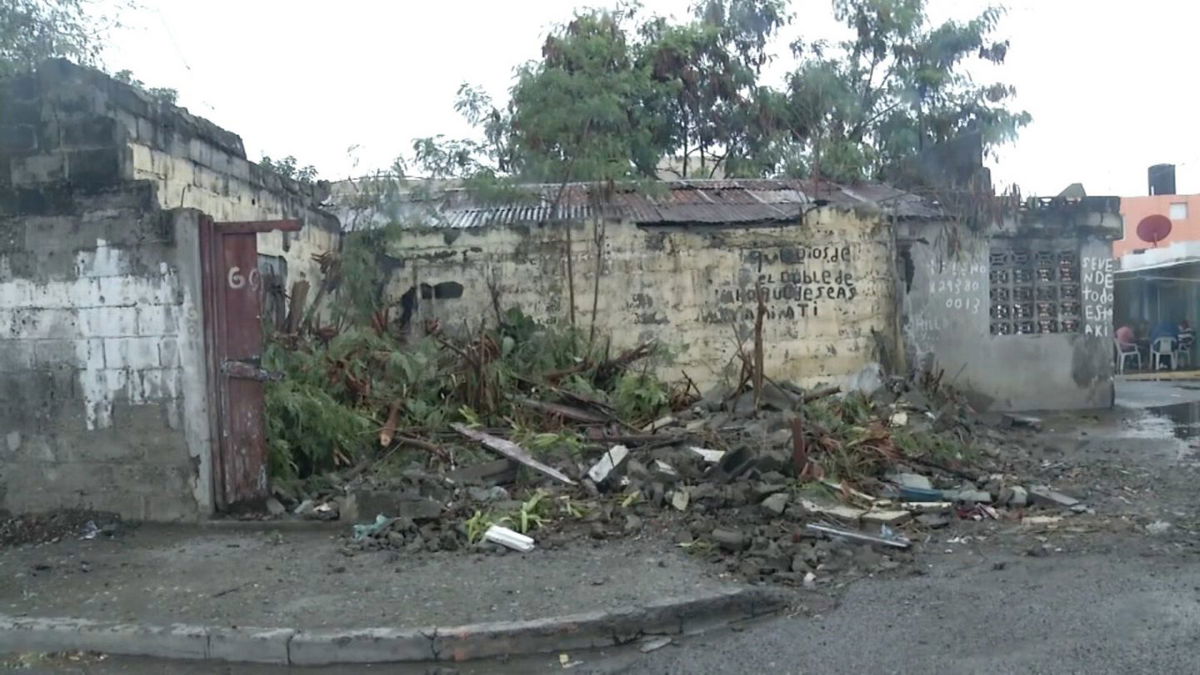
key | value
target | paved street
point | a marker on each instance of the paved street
(1095, 594)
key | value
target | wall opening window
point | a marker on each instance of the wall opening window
(1179, 211)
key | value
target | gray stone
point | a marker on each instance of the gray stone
(775, 504)
(934, 521)
(275, 508)
(1018, 496)
(912, 480)
(773, 460)
(730, 540)
(1041, 494)
(970, 496)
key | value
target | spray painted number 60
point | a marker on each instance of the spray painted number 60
(236, 280)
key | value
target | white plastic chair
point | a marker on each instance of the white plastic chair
(1126, 352)
(1163, 348)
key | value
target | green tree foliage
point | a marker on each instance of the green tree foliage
(289, 167)
(34, 30)
(160, 94)
(616, 93)
(897, 86)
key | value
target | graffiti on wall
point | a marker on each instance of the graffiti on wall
(794, 282)
(1098, 296)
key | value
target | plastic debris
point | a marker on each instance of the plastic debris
(381, 523)
(895, 541)
(509, 538)
(90, 531)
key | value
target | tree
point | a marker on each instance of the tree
(159, 94)
(34, 30)
(615, 93)
(896, 88)
(718, 116)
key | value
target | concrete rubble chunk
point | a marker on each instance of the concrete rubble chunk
(730, 540)
(832, 510)
(1043, 495)
(608, 462)
(911, 480)
(710, 456)
(1017, 496)
(680, 499)
(969, 496)
(775, 504)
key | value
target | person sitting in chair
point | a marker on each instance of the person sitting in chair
(1186, 337)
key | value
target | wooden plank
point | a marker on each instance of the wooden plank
(512, 451)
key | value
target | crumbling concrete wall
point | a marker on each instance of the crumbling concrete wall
(101, 356)
(827, 284)
(1020, 314)
(72, 124)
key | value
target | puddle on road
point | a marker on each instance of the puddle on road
(1184, 419)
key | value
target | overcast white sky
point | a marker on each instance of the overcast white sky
(1111, 83)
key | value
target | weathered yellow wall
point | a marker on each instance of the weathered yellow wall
(226, 194)
(829, 284)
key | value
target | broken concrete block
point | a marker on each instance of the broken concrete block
(832, 510)
(679, 500)
(911, 480)
(775, 503)
(495, 472)
(934, 521)
(736, 462)
(609, 461)
(773, 460)
(887, 517)
(710, 456)
(969, 496)
(1041, 494)
(730, 540)
(275, 507)
(1018, 496)
(664, 471)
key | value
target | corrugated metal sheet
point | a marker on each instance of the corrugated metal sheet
(679, 202)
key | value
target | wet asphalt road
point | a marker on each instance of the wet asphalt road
(1134, 608)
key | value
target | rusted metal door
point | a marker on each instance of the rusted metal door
(233, 326)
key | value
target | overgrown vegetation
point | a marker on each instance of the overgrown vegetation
(377, 387)
(289, 167)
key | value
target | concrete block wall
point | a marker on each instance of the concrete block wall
(945, 292)
(827, 281)
(66, 123)
(101, 358)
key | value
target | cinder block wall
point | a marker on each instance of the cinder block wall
(957, 302)
(76, 124)
(828, 286)
(101, 357)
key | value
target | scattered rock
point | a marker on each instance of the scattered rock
(730, 540)
(1158, 527)
(775, 503)
(608, 462)
(275, 507)
(934, 521)
(1043, 495)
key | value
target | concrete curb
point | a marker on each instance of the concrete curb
(286, 646)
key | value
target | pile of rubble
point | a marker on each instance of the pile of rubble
(789, 485)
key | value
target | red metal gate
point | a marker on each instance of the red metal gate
(233, 335)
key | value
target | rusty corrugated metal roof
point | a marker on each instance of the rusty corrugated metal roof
(678, 202)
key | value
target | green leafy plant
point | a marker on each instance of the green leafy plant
(639, 397)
